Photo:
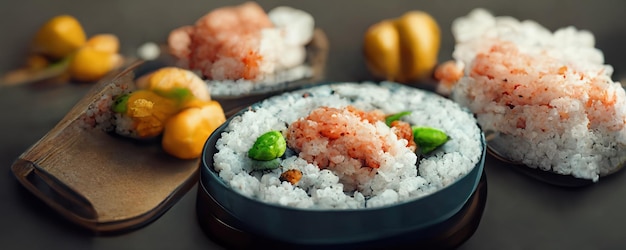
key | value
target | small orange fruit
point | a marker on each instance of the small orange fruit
(169, 78)
(186, 132)
(104, 42)
(89, 64)
(59, 37)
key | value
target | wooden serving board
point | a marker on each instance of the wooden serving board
(99, 181)
(109, 184)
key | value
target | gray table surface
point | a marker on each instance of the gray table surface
(521, 213)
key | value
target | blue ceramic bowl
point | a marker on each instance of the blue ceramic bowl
(329, 227)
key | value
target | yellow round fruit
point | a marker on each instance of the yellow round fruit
(89, 64)
(59, 37)
(169, 78)
(382, 51)
(186, 132)
(104, 42)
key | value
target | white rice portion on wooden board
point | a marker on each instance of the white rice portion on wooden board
(548, 97)
(395, 182)
(100, 115)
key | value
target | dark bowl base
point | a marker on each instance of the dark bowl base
(222, 228)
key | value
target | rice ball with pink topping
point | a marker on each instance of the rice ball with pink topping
(545, 98)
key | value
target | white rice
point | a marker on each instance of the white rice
(548, 98)
(99, 114)
(399, 180)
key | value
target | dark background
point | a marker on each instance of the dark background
(521, 213)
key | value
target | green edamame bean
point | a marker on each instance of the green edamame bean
(268, 146)
(178, 94)
(428, 139)
(120, 103)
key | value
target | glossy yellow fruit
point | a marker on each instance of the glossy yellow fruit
(382, 50)
(59, 37)
(169, 78)
(89, 64)
(186, 132)
(104, 42)
(403, 49)
(149, 112)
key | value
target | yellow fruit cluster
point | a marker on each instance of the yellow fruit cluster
(403, 49)
(63, 38)
(176, 104)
